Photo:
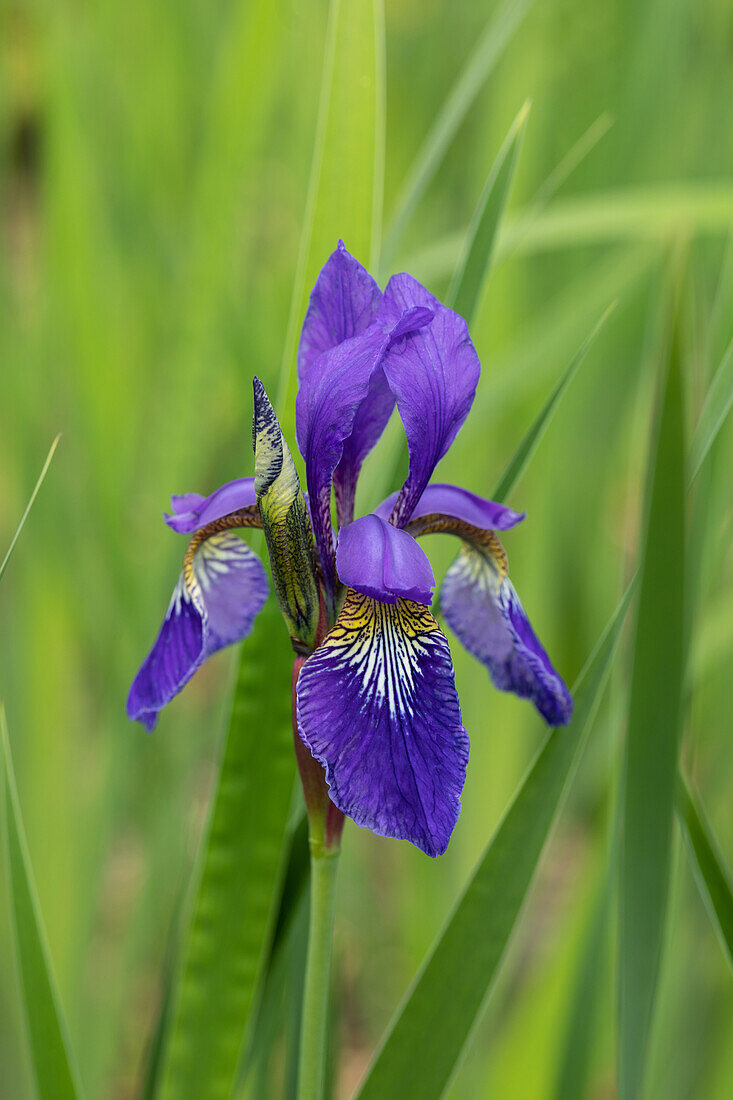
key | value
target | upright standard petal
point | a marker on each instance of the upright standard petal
(221, 590)
(481, 606)
(327, 406)
(433, 376)
(285, 522)
(377, 706)
(450, 500)
(191, 511)
(343, 303)
(381, 561)
(370, 421)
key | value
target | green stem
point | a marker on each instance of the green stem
(316, 996)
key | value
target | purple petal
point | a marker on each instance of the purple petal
(192, 511)
(343, 303)
(186, 502)
(177, 653)
(483, 609)
(377, 706)
(449, 500)
(372, 415)
(326, 409)
(233, 586)
(433, 376)
(214, 606)
(369, 423)
(381, 561)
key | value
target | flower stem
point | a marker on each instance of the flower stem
(316, 995)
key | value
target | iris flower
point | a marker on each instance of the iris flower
(376, 700)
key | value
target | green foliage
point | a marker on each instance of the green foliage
(164, 169)
(531, 440)
(712, 875)
(234, 902)
(473, 265)
(716, 408)
(456, 978)
(486, 54)
(53, 1064)
(347, 171)
(653, 735)
(29, 505)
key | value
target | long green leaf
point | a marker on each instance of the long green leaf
(29, 505)
(561, 173)
(653, 735)
(52, 1059)
(473, 264)
(473, 76)
(531, 440)
(717, 406)
(654, 211)
(574, 1065)
(575, 155)
(713, 878)
(651, 213)
(347, 172)
(448, 993)
(237, 891)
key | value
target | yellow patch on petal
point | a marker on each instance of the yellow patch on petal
(383, 643)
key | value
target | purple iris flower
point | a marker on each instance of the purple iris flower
(376, 700)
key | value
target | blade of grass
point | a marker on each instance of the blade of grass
(574, 157)
(292, 897)
(574, 1068)
(496, 37)
(653, 211)
(256, 1070)
(712, 875)
(29, 505)
(153, 1057)
(561, 173)
(52, 1058)
(454, 981)
(652, 214)
(716, 408)
(718, 327)
(473, 264)
(475, 259)
(574, 1065)
(347, 170)
(531, 441)
(653, 735)
(237, 891)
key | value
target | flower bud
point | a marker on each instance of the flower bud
(285, 522)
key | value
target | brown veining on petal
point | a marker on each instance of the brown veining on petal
(479, 538)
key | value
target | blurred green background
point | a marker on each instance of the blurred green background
(154, 163)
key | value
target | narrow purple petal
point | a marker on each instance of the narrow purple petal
(214, 604)
(377, 706)
(177, 653)
(433, 376)
(369, 423)
(381, 561)
(343, 303)
(452, 501)
(483, 609)
(373, 413)
(186, 502)
(326, 410)
(191, 511)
